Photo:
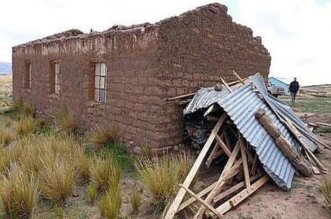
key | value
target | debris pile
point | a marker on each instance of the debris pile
(258, 137)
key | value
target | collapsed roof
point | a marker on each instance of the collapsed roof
(241, 105)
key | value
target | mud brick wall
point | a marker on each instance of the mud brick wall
(198, 47)
(146, 64)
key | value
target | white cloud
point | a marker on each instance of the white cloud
(297, 33)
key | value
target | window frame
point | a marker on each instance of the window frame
(100, 79)
(57, 73)
(28, 75)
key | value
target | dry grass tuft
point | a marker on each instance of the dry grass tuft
(57, 180)
(8, 122)
(326, 191)
(66, 122)
(110, 203)
(26, 125)
(135, 200)
(105, 173)
(163, 176)
(5, 137)
(19, 194)
(103, 135)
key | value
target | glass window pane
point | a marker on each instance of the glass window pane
(102, 82)
(103, 69)
(97, 82)
(57, 89)
(97, 69)
(57, 69)
(96, 94)
(102, 96)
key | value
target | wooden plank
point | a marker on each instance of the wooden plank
(223, 146)
(238, 77)
(220, 181)
(316, 171)
(209, 110)
(323, 124)
(317, 162)
(211, 156)
(181, 193)
(245, 164)
(233, 83)
(226, 84)
(181, 96)
(211, 208)
(242, 195)
(233, 189)
(200, 194)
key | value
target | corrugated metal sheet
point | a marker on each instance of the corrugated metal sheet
(276, 105)
(241, 106)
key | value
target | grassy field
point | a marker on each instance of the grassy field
(309, 104)
(52, 171)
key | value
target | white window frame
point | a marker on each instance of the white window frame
(100, 75)
(56, 78)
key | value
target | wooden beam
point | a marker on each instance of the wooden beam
(209, 110)
(182, 96)
(245, 164)
(223, 146)
(181, 193)
(226, 84)
(315, 159)
(211, 208)
(233, 189)
(211, 156)
(200, 194)
(238, 77)
(323, 124)
(242, 195)
(220, 181)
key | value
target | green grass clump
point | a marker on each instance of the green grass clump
(105, 173)
(163, 175)
(57, 180)
(5, 137)
(103, 136)
(110, 203)
(18, 193)
(135, 200)
(91, 194)
(326, 191)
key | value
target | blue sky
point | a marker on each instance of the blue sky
(296, 32)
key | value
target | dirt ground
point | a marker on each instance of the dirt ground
(304, 200)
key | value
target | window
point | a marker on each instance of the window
(100, 82)
(27, 75)
(57, 77)
(54, 77)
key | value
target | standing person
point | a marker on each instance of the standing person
(294, 88)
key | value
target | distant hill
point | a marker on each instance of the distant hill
(5, 68)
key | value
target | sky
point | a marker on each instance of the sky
(297, 33)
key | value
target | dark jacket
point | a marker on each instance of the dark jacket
(294, 87)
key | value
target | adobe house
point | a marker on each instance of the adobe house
(123, 76)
